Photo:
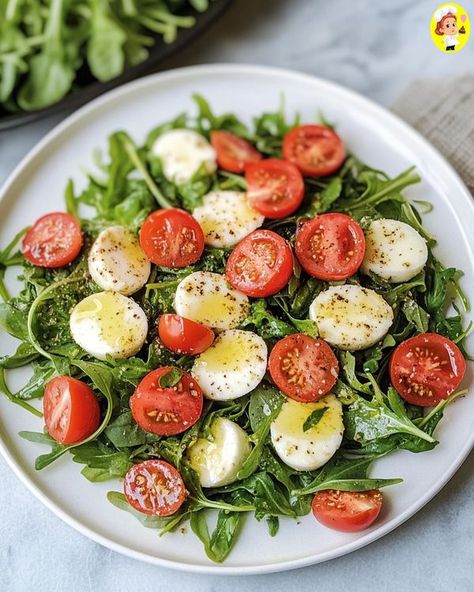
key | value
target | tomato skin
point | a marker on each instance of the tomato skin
(275, 188)
(330, 247)
(184, 336)
(233, 152)
(53, 241)
(347, 511)
(424, 364)
(166, 411)
(260, 265)
(316, 367)
(315, 149)
(172, 238)
(71, 410)
(154, 487)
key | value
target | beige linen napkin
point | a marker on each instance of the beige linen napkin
(443, 112)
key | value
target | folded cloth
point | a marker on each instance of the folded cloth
(443, 112)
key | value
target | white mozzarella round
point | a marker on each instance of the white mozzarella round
(109, 324)
(307, 450)
(232, 366)
(207, 298)
(117, 261)
(395, 251)
(218, 462)
(182, 153)
(351, 317)
(226, 218)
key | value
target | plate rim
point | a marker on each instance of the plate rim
(215, 69)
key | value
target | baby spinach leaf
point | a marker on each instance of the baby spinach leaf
(119, 501)
(219, 544)
(124, 432)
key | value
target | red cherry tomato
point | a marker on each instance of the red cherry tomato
(260, 265)
(426, 369)
(184, 336)
(303, 368)
(53, 241)
(314, 149)
(172, 238)
(347, 511)
(71, 410)
(233, 153)
(275, 188)
(166, 410)
(154, 487)
(330, 247)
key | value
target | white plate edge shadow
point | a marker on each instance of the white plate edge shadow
(56, 133)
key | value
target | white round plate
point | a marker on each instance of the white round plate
(373, 134)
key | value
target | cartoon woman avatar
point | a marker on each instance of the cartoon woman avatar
(447, 25)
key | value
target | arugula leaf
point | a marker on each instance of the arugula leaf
(314, 418)
(102, 463)
(345, 474)
(13, 398)
(369, 420)
(102, 380)
(265, 322)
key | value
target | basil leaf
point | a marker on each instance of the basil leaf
(314, 418)
(171, 378)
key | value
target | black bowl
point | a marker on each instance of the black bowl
(90, 88)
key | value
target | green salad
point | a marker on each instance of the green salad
(249, 319)
(49, 47)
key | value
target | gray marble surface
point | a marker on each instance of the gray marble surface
(375, 48)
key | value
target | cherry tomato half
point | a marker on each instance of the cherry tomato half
(233, 153)
(260, 265)
(184, 336)
(172, 238)
(426, 369)
(303, 368)
(71, 410)
(154, 487)
(347, 511)
(275, 188)
(330, 247)
(53, 241)
(166, 410)
(314, 149)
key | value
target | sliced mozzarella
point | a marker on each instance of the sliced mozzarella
(395, 251)
(307, 451)
(182, 153)
(351, 317)
(218, 462)
(226, 218)
(117, 261)
(207, 298)
(108, 323)
(232, 366)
